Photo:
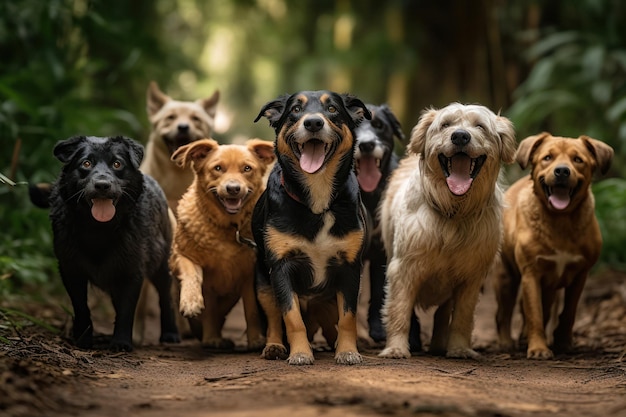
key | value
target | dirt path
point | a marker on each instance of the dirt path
(41, 374)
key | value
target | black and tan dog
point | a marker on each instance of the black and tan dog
(375, 160)
(551, 237)
(111, 228)
(309, 224)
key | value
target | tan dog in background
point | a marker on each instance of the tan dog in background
(441, 224)
(551, 236)
(213, 254)
(174, 124)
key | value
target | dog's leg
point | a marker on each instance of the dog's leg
(274, 347)
(300, 352)
(506, 286)
(254, 331)
(163, 283)
(563, 333)
(346, 352)
(212, 318)
(533, 318)
(377, 295)
(124, 297)
(190, 276)
(82, 330)
(397, 310)
(464, 301)
(441, 329)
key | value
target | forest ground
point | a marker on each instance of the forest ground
(42, 374)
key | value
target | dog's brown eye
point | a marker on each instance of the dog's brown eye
(86, 164)
(218, 167)
(247, 168)
(170, 117)
(117, 165)
(332, 109)
(296, 109)
(195, 118)
(480, 126)
(547, 157)
(444, 125)
(578, 159)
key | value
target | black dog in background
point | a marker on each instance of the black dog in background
(111, 228)
(375, 160)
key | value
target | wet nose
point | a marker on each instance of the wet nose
(562, 172)
(233, 189)
(313, 124)
(366, 146)
(183, 127)
(460, 137)
(102, 185)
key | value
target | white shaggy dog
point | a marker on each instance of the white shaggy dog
(441, 224)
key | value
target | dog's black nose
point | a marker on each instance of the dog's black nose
(366, 146)
(183, 127)
(102, 185)
(561, 172)
(313, 124)
(461, 137)
(233, 189)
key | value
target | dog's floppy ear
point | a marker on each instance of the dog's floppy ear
(505, 130)
(602, 152)
(156, 99)
(417, 144)
(263, 149)
(357, 109)
(194, 151)
(135, 150)
(273, 110)
(210, 104)
(527, 147)
(64, 150)
(395, 123)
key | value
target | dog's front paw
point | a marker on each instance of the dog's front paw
(300, 358)
(273, 351)
(121, 346)
(191, 303)
(539, 353)
(348, 358)
(169, 338)
(462, 353)
(395, 353)
(219, 345)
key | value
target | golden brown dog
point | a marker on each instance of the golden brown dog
(551, 236)
(174, 124)
(441, 224)
(213, 255)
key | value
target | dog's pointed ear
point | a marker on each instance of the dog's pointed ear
(357, 109)
(505, 130)
(156, 99)
(527, 147)
(194, 152)
(264, 150)
(136, 151)
(602, 152)
(273, 110)
(64, 150)
(210, 104)
(396, 127)
(417, 143)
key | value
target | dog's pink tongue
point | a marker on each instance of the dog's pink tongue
(312, 156)
(369, 174)
(459, 180)
(559, 198)
(102, 209)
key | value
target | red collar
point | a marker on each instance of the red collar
(289, 193)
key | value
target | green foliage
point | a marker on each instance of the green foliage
(610, 197)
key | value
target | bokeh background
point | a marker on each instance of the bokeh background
(72, 67)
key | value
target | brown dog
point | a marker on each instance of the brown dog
(551, 236)
(213, 254)
(441, 224)
(174, 124)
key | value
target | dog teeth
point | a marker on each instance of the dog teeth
(377, 163)
(472, 165)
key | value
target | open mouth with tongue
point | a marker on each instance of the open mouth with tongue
(460, 171)
(559, 196)
(313, 154)
(368, 172)
(231, 204)
(102, 209)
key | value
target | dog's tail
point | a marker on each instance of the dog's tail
(40, 194)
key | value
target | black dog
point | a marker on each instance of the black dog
(309, 224)
(375, 161)
(111, 228)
